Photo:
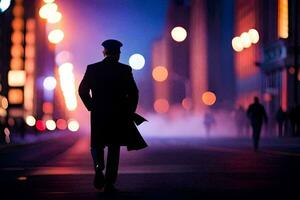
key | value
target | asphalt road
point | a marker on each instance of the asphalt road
(182, 168)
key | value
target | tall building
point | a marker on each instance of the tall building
(248, 77)
(280, 62)
(174, 57)
(27, 59)
(203, 61)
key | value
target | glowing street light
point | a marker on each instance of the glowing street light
(254, 36)
(178, 34)
(161, 105)
(50, 125)
(30, 120)
(73, 125)
(47, 10)
(246, 41)
(137, 61)
(49, 83)
(160, 73)
(209, 98)
(56, 36)
(237, 44)
(49, 1)
(54, 18)
(4, 5)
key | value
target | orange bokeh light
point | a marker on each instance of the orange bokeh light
(17, 37)
(18, 11)
(15, 96)
(18, 24)
(187, 103)
(160, 73)
(30, 51)
(47, 107)
(161, 105)
(30, 38)
(209, 98)
(17, 51)
(16, 64)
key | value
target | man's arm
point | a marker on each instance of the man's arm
(84, 90)
(133, 92)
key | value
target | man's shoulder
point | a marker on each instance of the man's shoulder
(125, 67)
(94, 64)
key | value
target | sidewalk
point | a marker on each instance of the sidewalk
(32, 138)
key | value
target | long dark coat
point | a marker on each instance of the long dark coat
(109, 91)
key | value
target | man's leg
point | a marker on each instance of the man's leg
(99, 165)
(112, 165)
(98, 158)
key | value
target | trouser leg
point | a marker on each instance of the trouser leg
(98, 158)
(112, 164)
(256, 135)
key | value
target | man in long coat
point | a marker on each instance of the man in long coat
(109, 91)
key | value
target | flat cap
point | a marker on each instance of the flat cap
(112, 45)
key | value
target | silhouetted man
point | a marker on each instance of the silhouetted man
(109, 91)
(257, 115)
(281, 118)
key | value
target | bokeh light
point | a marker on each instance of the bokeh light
(3, 102)
(246, 41)
(18, 24)
(17, 37)
(67, 84)
(178, 34)
(16, 78)
(137, 61)
(160, 73)
(30, 120)
(187, 103)
(56, 36)
(49, 1)
(50, 125)
(48, 107)
(54, 18)
(61, 124)
(254, 36)
(161, 105)
(49, 83)
(4, 4)
(73, 125)
(209, 98)
(17, 51)
(16, 63)
(18, 10)
(47, 10)
(65, 68)
(40, 125)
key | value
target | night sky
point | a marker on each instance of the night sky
(134, 22)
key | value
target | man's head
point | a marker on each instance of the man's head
(256, 100)
(112, 48)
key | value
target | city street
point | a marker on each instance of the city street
(170, 168)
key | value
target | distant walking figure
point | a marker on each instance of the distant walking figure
(281, 118)
(109, 91)
(209, 121)
(257, 115)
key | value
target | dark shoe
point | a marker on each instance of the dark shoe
(99, 180)
(110, 188)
